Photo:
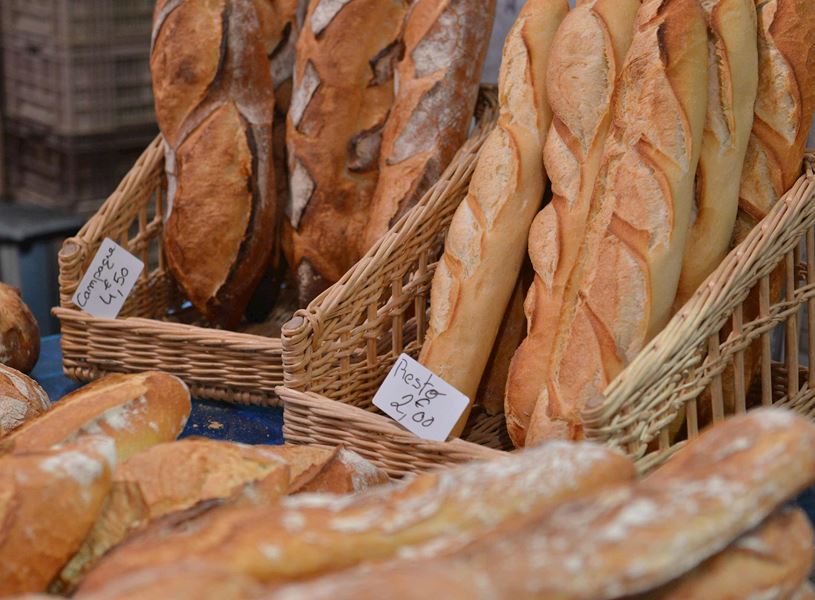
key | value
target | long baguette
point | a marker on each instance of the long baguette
(310, 535)
(485, 244)
(437, 85)
(732, 89)
(628, 266)
(586, 60)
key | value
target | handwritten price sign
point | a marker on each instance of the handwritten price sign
(419, 400)
(108, 281)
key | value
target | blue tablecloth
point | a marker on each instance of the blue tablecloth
(217, 420)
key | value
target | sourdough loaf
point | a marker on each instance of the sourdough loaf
(628, 265)
(732, 88)
(137, 411)
(618, 541)
(19, 333)
(48, 502)
(21, 399)
(313, 534)
(445, 42)
(214, 104)
(343, 90)
(587, 57)
(484, 249)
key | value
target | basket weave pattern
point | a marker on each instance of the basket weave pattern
(153, 330)
(338, 350)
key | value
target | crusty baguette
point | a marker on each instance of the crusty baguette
(214, 101)
(343, 90)
(616, 542)
(21, 399)
(732, 88)
(628, 265)
(485, 245)
(48, 502)
(783, 114)
(437, 85)
(770, 563)
(137, 411)
(19, 332)
(310, 534)
(586, 60)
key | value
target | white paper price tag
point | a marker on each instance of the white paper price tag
(108, 281)
(419, 400)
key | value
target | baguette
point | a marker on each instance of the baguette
(19, 332)
(588, 53)
(437, 85)
(732, 88)
(484, 248)
(771, 563)
(343, 90)
(618, 541)
(214, 101)
(629, 263)
(309, 535)
(21, 399)
(48, 502)
(137, 411)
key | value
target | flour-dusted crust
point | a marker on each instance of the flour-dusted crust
(626, 271)
(137, 411)
(21, 399)
(48, 502)
(586, 58)
(212, 78)
(19, 332)
(312, 534)
(485, 245)
(445, 43)
(343, 91)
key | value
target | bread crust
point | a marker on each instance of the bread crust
(485, 244)
(19, 332)
(21, 399)
(586, 59)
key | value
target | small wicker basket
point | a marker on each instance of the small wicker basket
(338, 350)
(154, 330)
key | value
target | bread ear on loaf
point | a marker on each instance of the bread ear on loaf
(485, 244)
(214, 104)
(628, 266)
(343, 90)
(21, 399)
(586, 59)
(437, 85)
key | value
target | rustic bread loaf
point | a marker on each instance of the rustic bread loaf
(770, 562)
(587, 57)
(484, 249)
(629, 263)
(445, 43)
(343, 90)
(137, 411)
(19, 332)
(313, 534)
(48, 502)
(619, 541)
(214, 104)
(21, 399)
(732, 88)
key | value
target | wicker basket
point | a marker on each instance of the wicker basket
(341, 347)
(154, 330)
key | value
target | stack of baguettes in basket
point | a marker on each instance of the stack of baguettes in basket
(302, 127)
(99, 502)
(667, 130)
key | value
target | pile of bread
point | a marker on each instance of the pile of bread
(303, 126)
(667, 130)
(78, 477)
(98, 502)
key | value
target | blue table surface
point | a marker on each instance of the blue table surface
(219, 420)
